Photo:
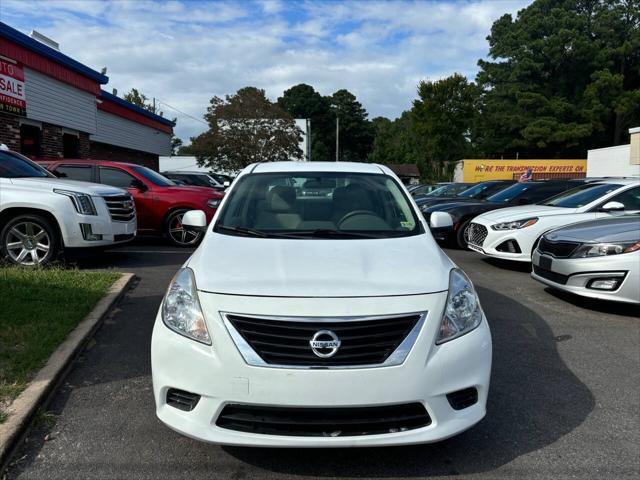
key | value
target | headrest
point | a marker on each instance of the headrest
(281, 198)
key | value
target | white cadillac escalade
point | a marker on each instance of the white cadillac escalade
(40, 214)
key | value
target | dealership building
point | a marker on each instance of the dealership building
(52, 106)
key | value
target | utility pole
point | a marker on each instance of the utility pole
(308, 139)
(337, 138)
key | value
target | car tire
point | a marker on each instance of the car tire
(29, 240)
(176, 234)
(461, 238)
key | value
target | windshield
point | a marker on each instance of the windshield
(327, 205)
(475, 190)
(582, 195)
(15, 166)
(450, 190)
(511, 192)
(154, 177)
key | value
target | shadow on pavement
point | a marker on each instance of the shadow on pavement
(534, 401)
(508, 265)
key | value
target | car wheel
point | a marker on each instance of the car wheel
(461, 235)
(29, 240)
(177, 234)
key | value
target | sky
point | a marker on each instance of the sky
(185, 52)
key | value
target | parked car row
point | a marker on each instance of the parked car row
(598, 259)
(54, 204)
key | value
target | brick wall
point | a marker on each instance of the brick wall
(10, 131)
(102, 151)
(51, 141)
(84, 148)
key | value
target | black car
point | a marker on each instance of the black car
(479, 191)
(462, 212)
(448, 190)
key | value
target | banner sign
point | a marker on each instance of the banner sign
(12, 95)
(481, 170)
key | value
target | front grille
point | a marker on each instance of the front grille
(182, 400)
(323, 422)
(287, 342)
(463, 398)
(557, 249)
(121, 207)
(476, 234)
(549, 275)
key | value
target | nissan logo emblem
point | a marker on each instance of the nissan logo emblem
(324, 343)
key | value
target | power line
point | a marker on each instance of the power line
(181, 112)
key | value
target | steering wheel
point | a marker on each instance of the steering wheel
(356, 213)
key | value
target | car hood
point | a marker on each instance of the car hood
(525, 211)
(88, 188)
(619, 229)
(191, 189)
(237, 265)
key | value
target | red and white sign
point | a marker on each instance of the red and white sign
(12, 93)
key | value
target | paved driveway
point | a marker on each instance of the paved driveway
(564, 399)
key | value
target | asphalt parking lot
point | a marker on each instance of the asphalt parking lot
(564, 399)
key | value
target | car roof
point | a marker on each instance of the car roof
(351, 167)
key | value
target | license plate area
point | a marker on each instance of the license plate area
(546, 262)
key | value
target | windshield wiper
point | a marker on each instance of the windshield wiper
(250, 232)
(329, 233)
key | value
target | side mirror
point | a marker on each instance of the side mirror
(440, 220)
(194, 220)
(612, 207)
(139, 184)
(60, 174)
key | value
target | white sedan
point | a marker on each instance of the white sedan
(512, 233)
(290, 327)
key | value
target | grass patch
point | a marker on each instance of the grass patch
(38, 309)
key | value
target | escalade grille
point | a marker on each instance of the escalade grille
(121, 207)
(557, 249)
(287, 342)
(323, 422)
(476, 234)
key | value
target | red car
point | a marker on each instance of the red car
(160, 203)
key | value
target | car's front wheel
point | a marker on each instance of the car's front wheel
(462, 235)
(29, 240)
(177, 234)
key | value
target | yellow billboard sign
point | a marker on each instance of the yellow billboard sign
(478, 170)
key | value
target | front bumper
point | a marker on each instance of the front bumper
(574, 275)
(220, 376)
(497, 243)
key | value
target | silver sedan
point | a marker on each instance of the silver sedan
(597, 259)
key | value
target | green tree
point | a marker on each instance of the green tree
(245, 128)
(356, 132)
(443, 116)
(303, 101)
(564, 77)
(139, 99)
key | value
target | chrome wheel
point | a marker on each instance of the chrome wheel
(178, 234)
(27, 243)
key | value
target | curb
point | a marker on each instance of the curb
(23, 408)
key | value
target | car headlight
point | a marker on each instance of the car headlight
(515, 225)
(81, 201)
(181, 310)
(603, 249)
(213, 202)
(462, 312)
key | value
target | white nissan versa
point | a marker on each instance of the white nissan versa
(290, 325)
